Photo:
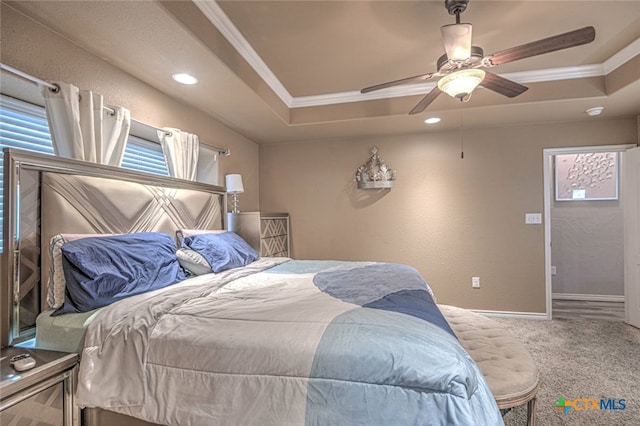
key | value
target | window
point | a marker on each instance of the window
(24, 126)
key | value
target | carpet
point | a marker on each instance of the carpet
(593, 360)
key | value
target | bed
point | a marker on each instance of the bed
(271, 341)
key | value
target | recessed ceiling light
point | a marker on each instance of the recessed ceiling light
(594, 111)
(183, 78)
(432, 120)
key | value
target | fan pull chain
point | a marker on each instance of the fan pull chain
(461, 136)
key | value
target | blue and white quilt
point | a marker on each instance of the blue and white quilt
(285, 343)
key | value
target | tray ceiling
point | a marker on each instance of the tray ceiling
(281, 71)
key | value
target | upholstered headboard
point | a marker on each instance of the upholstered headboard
(45, 196)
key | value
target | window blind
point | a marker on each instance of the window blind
(144, 156)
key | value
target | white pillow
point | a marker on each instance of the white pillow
(193, 262)
(57, 284)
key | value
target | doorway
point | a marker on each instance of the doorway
(584, 232)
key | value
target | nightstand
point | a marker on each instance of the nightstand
(42, 395)
(267, 233)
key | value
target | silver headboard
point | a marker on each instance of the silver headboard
(45, 196)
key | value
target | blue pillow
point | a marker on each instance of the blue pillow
(102, 270)
(222, 251)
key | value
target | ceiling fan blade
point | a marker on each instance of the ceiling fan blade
(413, 79)
(426, 101)
(501, 85)
(562, 41)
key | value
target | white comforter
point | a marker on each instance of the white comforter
(285, 345)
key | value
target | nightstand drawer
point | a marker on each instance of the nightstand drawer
(45, 407)
(273, 227)
(267, 233)
(274, 246)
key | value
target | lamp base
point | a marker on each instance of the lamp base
(234, 201)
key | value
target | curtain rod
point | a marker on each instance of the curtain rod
(55, 88)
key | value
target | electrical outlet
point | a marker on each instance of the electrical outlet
(475, 282)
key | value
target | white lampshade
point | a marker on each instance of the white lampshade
(461, 83)
(234, 184)
(457, 41)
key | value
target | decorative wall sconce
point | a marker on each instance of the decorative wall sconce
(375, 173)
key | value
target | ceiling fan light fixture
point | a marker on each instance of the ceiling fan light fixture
(456, 39)
(461, 83)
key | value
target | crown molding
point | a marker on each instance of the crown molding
(356, 96)
(221, 21)
(537, 76)
(555, 74)
(622, 57)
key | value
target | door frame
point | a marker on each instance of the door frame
(632, 220)
(547, 155)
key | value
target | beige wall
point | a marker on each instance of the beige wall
(451, 218)
(34, 49)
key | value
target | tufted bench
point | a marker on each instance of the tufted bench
(505, 363)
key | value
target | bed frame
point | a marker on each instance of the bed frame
(46, 195)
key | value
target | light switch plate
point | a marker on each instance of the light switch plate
(533, 218)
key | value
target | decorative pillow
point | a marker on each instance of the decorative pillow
(222, 251)
(193, 262)
(181, 234)
(57, 284)
(100, 271)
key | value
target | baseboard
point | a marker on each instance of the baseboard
(588, 297)
(511, 314)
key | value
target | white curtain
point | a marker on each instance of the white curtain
(82, 129)
(181, 151)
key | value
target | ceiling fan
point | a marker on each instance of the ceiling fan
(460, 68)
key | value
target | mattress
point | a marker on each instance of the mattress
(63, 333)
